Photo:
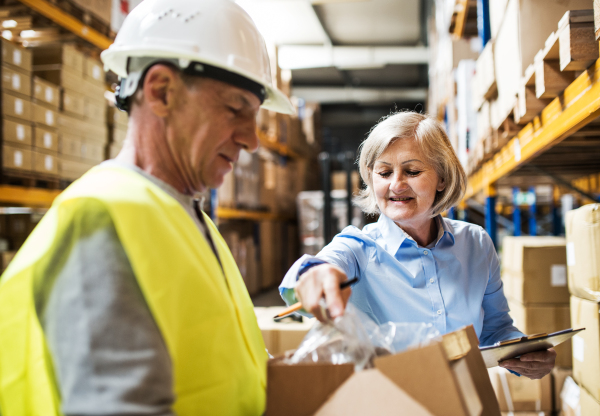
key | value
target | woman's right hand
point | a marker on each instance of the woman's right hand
(323, 281)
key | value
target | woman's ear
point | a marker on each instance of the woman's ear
(441, 185)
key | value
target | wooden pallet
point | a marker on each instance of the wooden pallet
(31, 180)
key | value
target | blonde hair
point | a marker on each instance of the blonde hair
(434, 144)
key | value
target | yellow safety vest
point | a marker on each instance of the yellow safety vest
(206, 319)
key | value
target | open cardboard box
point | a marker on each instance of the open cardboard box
(446, 378)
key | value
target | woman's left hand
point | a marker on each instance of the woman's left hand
(534, 365)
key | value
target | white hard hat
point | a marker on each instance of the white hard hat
(214, 38)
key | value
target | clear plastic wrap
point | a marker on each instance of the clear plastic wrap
(356, 338)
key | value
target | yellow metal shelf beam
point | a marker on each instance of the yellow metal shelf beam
(68, 22)
(31, 197)
(576, 107)
(268, 143)
(461, 17)
(238, 214)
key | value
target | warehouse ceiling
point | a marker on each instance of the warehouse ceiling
(360, 58)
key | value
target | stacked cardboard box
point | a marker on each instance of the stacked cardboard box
(45, 105)
(240, 237)
(577, 400)
(117, 123)
(17, 131)
(534, 275)
(521, 394)
(583, 252)
(281, 336)
(81, 121)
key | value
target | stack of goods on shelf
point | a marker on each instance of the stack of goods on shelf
(117, 125)
(263, 250)
(534, 275)
(81, 122)
(450, 83)
(583, 252)
(536, 49)
(45, 106)
(17, 126)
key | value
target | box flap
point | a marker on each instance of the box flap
(371, 393)
(301, 389)
(425, 374)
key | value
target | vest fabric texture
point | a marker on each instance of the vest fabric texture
(201, 306)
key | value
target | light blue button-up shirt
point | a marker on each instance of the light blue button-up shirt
(451, 283)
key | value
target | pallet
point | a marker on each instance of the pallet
(31, 180)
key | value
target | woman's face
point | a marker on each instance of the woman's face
(405, 184)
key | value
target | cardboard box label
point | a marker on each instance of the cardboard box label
(96, 73)
(17, 57)
(49, 94)
(47, 140)
(578, 348)
(18, 106)
(16, 82)
(20, 132)
(49, 118)
(571, 254)
(48, 162)
(558, 275)
(18, 159)
(570, 394)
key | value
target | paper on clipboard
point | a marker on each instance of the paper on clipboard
(492, 355)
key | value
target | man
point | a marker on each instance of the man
(125, 298)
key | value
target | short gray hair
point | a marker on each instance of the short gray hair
(434, 144)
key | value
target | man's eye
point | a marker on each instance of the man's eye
(384, 174)
(234, 110)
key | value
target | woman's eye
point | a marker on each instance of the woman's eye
(413, 172)
(385, 174)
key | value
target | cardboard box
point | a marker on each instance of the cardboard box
(559, 375)
(46, 139)
(64, 54)
(114, 149)
(370, 391)
(281, 336)
(526, 25)
(95, 110)
(45, 163)
(44, 115)
(447, 378)
(72, 169)
(583, 251)
(15, 81)
(541, 318)
(46, 92)
(16, 106)
(119, 135)
(521, 394)
(534, 269)
(16, 158)
(270, 239)
(17, 131)
(71, 145)
(73, 103)
(486, 75)
(586, 344)
(93, 70)
(577, 401)
(93, 151)
(114, 116)
(16, 56)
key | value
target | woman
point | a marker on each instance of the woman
(412, 264)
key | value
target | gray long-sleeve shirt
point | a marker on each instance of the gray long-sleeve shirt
(108, 353)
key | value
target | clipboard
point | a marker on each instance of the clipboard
(513, 348)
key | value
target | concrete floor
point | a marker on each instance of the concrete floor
(268, 298)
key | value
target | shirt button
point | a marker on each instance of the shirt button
(431, 280)
(426, 252)
(439, 312)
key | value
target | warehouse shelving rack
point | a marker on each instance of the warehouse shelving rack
(561, 144)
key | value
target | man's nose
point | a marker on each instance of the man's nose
(247, 137)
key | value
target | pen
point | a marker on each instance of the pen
(297, 306)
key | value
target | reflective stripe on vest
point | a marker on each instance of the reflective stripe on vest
(206, 320)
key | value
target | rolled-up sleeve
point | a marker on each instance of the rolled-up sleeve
(497, 323)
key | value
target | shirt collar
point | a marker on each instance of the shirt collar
(393, 236)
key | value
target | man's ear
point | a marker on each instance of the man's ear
(160, 87)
